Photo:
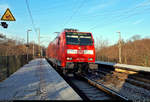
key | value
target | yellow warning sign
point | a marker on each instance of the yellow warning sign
(8, 16)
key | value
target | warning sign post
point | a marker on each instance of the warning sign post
(8, 16)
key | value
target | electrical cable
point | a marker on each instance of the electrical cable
(29, 11)
(75, 12)
(120, 19)
(125, 13)
(117, 13)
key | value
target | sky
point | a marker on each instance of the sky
(104, 18)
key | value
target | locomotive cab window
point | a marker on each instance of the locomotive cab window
(86, 40)
(74, 38)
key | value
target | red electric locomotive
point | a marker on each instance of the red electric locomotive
(72, 50)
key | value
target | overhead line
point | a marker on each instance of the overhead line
(125, 14)
(123, 11)
(75, 12)
(30, 15)
(126, 10)
(119, 19)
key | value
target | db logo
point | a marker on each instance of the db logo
(80, 51)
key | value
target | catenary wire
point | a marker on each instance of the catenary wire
(75, 12)
(29, 11)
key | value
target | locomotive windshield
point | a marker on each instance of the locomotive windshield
(75, 38)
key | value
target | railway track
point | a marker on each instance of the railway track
(110, 84)
(105, 89)
(135, 87)
(137, 80)
(90, 90)
(95, 91)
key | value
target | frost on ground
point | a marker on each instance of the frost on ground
(36, 81)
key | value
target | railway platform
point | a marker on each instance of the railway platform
(36, 80)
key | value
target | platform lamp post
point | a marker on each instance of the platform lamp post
(28, 43)
(38, 29)
(119, 46)
(33, 50)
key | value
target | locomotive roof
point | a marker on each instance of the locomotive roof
(77, 32)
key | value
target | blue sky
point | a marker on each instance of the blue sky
(101, 17)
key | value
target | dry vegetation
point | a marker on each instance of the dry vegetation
(13, 55)
(10, 47)
(135, 51)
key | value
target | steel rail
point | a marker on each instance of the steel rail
(104, 88)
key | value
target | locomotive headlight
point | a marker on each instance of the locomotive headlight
(69, 58)
(88, 51)
(90, 59)
(71, 51)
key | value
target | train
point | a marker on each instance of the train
(72, 51)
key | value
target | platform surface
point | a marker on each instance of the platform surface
(36, 81)
(131, 67)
